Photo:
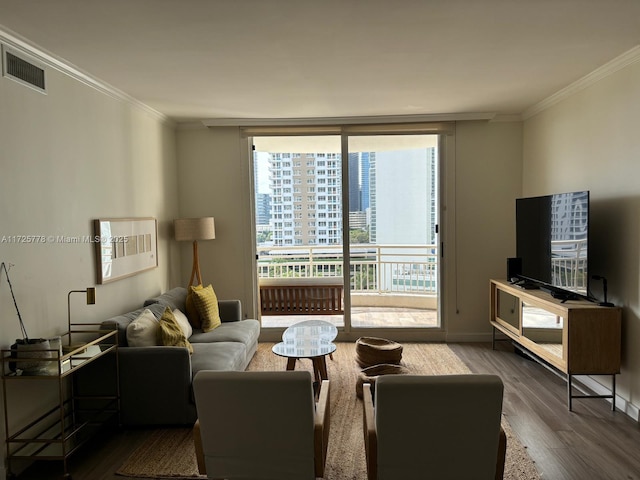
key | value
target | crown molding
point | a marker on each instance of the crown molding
(48, 59)
(313, 121)
(504, 117)
(628, 58)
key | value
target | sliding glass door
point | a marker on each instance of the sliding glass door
(359, 211)
(393, 222)
(299, 224)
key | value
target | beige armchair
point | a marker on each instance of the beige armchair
(441, 427)
(260, 425)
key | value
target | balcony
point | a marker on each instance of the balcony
(391, 285)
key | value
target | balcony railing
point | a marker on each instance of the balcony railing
(397, 269)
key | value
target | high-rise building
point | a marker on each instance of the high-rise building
(364, 179)
(306, 202)
(355, 199)
(263, 208)
(396, 192)
(403, 196)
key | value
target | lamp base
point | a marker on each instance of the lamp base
(195, 269)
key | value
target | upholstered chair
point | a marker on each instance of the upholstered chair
(434, 427)
(260, 425)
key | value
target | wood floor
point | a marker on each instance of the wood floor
(590, 443)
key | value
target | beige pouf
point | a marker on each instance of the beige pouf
(371, 374)
(375, 351)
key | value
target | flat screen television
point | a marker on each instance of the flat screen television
(552, 241)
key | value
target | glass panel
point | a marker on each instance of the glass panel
(543, 327)
(393, 214)
(298, 205)
(508, 309)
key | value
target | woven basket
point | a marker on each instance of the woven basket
(375, 351)
(371, 374)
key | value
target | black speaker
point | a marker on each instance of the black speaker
(514, 267)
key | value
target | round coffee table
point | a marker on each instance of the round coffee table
(311, 339)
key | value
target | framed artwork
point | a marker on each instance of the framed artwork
(125, 247)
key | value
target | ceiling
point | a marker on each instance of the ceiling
(272, 59)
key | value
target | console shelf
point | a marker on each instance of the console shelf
(575, 337)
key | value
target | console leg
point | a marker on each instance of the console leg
(569, 396)
(613, 392)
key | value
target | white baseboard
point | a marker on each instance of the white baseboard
(622, 405)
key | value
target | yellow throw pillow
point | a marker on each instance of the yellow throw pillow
(191, 311)
(206, 303)
(171, 333)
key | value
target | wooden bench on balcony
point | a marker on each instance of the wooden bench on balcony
(301, 296)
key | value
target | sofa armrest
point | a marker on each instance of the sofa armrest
(370, 432)
(230, 310)
(155, 385)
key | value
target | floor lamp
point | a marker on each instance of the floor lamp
(194, 229)
(91, 300)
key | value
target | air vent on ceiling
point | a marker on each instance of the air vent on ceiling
(17, 67)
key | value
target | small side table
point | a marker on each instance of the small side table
(311, 339)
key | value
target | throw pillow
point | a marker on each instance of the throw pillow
(206, 303)
(183, 321)
(170, 332)
(143, 331)
(192, 312)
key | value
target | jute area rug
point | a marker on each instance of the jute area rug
(169, 453)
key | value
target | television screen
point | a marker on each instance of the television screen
(552, 236)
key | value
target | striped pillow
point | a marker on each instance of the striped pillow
(171, 333)
(206, 303)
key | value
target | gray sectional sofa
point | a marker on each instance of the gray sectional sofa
(155, 381)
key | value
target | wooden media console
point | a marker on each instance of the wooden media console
(575, 337)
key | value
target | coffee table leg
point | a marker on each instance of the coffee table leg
(319, 372)
(320, 368)
(291, 363)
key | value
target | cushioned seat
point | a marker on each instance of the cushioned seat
(260, 425)
(218, 356)
(246, 331)
(445, 427)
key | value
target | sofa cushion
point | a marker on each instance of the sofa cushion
(144, 330)
(206, 303)
(244, 331)
(174, 298)
(170, 331)
(217, 356)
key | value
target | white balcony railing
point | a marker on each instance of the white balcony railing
(405, 269)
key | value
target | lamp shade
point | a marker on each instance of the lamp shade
(194, 228)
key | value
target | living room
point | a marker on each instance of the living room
(86, 150)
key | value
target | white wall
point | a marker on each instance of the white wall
(487, 178)
(214, 181)
(67, 158)
(590, 141)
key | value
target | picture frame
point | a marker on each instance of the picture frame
(125, 247)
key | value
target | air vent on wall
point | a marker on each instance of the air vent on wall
(17, 67)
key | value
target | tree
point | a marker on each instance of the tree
(358, 235)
